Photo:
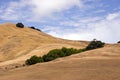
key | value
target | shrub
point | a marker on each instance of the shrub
(32, 27)
(53, 54)
(38, 29)
(33, 60)
(20, 25)
(35, 28)
(56, 53)
(16, 66)
(118, 42)
(95, 44)
(69, 51)
(81, 50)
(49, 57)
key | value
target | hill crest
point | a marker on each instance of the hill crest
(21, 43)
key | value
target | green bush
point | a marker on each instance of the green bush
(33, 60)
(95, 44)
(69, 51)
(81, 50)
(53, 54)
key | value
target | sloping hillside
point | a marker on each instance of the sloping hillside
(98, 64)
(18, 44)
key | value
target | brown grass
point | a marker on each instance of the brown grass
(83, 66)
(99, 64)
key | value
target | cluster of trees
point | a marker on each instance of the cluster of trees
(57, 53)
(95, 44)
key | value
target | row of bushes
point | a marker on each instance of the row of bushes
(57, 53)
(53, 54)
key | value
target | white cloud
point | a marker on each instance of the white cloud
(13, 10)
(35, 9)
(99, 28)
(113, 16)
(6, 13)
(46, 7)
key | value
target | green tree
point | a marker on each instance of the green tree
(95, 44)
(20, 25)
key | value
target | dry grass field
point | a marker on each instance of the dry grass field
(19, 44)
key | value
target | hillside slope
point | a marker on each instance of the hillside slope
(98, 64)
(18, 44)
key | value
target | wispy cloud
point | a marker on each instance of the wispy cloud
(112, 16)
(104, 29)
(36, 8)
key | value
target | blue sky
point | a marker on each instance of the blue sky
(68, 19)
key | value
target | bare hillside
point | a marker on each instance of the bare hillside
(99, 64)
